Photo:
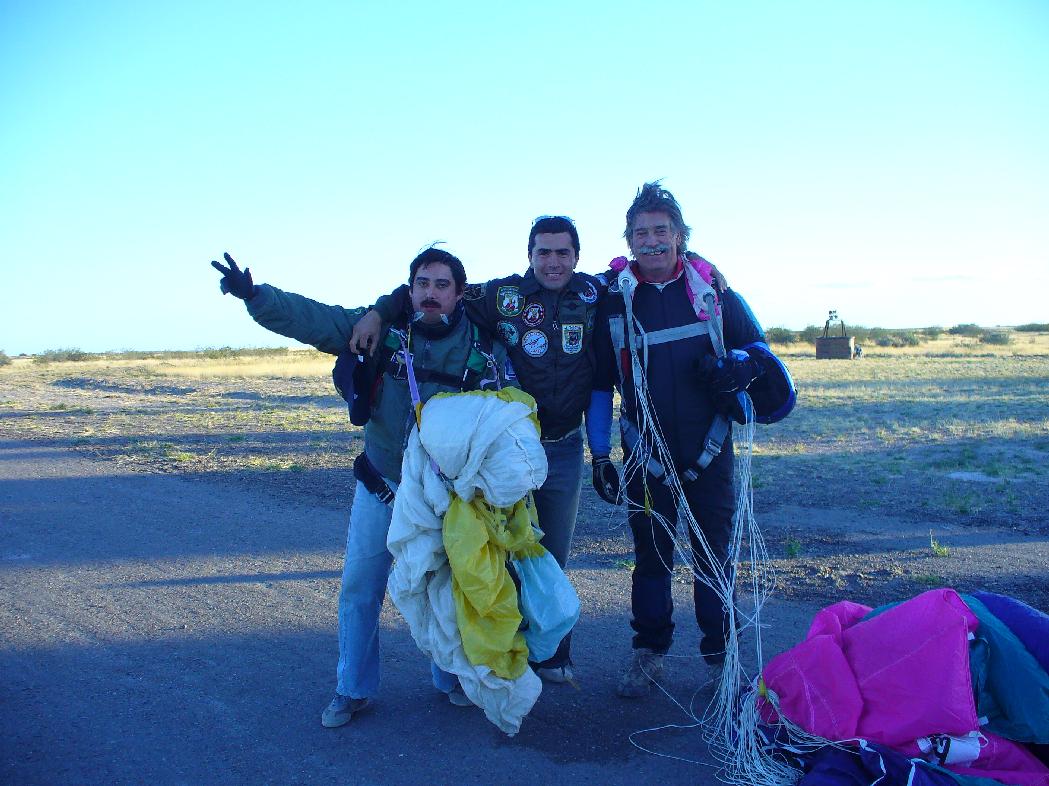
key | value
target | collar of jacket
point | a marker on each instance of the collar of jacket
(530, 284)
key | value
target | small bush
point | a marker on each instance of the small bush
(999, 337)
(778, 335)
(811, 333)
(62, 356)
(896, 339)
(1033, 327)
(933, 333)
(967, 329)
(4, 359)
(225, 353)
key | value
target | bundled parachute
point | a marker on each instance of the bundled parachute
(461, 510)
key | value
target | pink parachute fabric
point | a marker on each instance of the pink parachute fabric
(891, 679)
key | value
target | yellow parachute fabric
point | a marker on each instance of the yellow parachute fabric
(478, 537)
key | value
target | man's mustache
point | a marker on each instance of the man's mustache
(661, 248)
(431, 302)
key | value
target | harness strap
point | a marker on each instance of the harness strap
(371, 479)
(627, 332)
(631, 436)
(712, 445)
(675, 333)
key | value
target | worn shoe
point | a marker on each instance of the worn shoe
(558, 674)
(458, 698)
(645, 668)
(341, 710)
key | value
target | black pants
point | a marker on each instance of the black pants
(711, 498)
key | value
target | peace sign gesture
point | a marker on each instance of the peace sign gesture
(235, 281)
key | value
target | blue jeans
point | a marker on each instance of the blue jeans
(557, 504)
(365, 569)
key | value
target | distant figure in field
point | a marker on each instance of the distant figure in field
(446, 347)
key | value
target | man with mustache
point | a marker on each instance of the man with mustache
(546, 320)
(449, 354)
(679, 370)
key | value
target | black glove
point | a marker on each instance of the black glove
(732, 373)
(606, 480)
(235, 281)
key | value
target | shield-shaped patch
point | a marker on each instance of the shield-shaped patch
(572, 338)
(509, 301)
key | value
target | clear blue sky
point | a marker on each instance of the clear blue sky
(887, 159)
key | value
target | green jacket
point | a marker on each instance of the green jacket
(328, 328)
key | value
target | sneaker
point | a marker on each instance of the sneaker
(645, 668)
(341, 710)
(458, 698)
(558, 674)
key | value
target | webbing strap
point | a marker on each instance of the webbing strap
(641, 338)
(717, 329)
(632, 436)
(675, 333)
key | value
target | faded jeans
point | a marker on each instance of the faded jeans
(557, 504)
(365, 569)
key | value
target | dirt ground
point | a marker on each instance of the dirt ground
(173, 621)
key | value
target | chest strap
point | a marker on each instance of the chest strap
(641, 338)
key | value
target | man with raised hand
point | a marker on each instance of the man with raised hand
(449, 354)
(545, 318)
(680, 356)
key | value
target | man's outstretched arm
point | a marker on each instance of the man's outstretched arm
(325, 327)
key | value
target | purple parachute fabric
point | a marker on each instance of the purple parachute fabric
(1028, 624)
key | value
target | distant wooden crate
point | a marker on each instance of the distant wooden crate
(836, 347)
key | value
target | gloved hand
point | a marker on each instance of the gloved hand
(732, 373)
(606, 480)
(235, 281)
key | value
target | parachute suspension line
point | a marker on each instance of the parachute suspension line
(730, 723)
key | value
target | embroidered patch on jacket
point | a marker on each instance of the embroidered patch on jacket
(572, 338)
(508, 333)
(533, 314)
(535, 343)
(589, 293)
(614, 286)
(474, 292)
(509, 301)
(590, 321)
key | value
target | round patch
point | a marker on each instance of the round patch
(614, 286)
(533, 314)
(589, 293)
(508, 333)
(535, 343)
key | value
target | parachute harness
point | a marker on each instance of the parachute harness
(730, 722)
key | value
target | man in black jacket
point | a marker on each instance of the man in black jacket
(657, 344)
(545, 318)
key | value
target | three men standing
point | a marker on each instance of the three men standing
(571, 341)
